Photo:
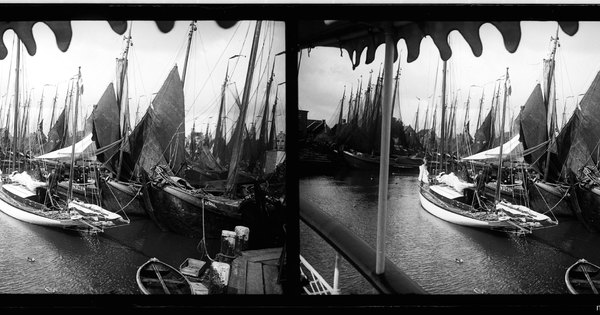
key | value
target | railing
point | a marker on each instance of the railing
(357, 252)
(315, 284)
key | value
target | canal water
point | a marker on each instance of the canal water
(443, 258)
(42, 260)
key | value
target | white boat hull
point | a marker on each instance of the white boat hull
(450, 216)
(29, 217)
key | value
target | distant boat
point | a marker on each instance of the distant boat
(157, 277)
(364, 161)
(583, 277)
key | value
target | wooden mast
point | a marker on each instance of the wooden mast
(443, 126)
(71, 169)
(16, 121)
(123, 104)
(187, 52)
(551, 106)
(53, 108)
(241, 123)
(499, 177)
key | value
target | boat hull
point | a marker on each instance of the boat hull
(27, 213)
(444, 210)
(586, 203)
(119, 195)
(544, 197)
(157, 277)
(583, 277)
(372, 163)
(190, 215)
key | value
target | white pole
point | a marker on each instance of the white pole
(336, 275)
(384, 159)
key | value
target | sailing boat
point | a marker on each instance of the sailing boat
(537, 130)
(577, 153)
(177, 205)
(27, 200)
(362, 132)
(448, 198)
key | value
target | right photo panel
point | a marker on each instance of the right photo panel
(449, 157)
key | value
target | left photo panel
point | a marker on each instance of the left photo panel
(143, 157)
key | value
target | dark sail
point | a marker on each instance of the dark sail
(533, 130)
(485, 134)
(159, 136)
(105, 129)
(584, 130)
(56, 137)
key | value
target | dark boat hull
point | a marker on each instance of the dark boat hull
(372, 163)
(119, 195)
(190, 215)
(586, 203)
(544, 197)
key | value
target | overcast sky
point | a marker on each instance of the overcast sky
(323, 75)
(95, 47)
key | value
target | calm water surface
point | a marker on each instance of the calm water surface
(67, 262)
(426, 248)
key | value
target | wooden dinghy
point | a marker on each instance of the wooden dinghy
(157, 277)
(583, 277)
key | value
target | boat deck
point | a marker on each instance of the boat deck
(255, 272)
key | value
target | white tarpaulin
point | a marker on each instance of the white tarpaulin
(511, 150)
(85, 148)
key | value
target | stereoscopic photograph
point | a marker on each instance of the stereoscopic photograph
(449, 157)
(143, 157)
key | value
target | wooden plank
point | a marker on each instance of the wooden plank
(237, 277)
(270, 274)
(257, 252)
(254, 278)
(263, 257)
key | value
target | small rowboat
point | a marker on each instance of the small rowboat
(583, 277)
(157, 277)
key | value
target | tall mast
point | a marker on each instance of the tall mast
(53, 108)
(71, 170)
(123, 103)
(481, 108)
(241, 123)
(443, 127)
(272, 134)
(219, 136)
(39, 118)
(417, 118)
(499, 177)
(187, 52)
(396, 81)
(341, 109)
(16, 122)
(551, 105)
(264, 135)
